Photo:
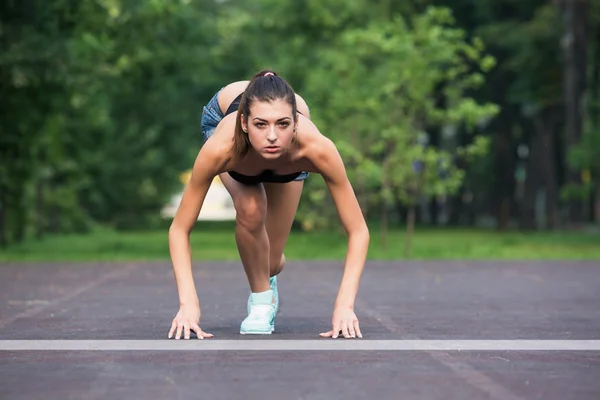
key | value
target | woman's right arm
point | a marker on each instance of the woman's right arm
(206, 167)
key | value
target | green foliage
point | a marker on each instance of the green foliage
(585, 157)
(123, 83)
(105, 98)
(529, 39)
(102, 98)
(394, 84)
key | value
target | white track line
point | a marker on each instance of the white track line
(471, 375)
(301, 345)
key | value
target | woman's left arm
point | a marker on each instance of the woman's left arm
(328, 162)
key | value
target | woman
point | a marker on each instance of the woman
(259, 139)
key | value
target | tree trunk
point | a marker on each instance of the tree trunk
(541, 171)
(574, 43)
(457, 208)
(18, 215)
(3, 214)
(433, 206)
(593, 112)
(383, 227)
(503, 152)
(597, 205)
(533, 182)
(20, 222)
(504, 173)
(410, 228)
(547, 127)
(40, 224)
(435, 140)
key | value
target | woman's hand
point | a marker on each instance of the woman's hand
(344, 321)
(187, 320)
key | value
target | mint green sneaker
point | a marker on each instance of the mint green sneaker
(273, 284)
(261, 317)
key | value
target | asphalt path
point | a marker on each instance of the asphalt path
(431, 330)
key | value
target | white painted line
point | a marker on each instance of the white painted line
(301, 345)
(478, 379)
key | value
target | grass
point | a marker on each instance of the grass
(218, 243)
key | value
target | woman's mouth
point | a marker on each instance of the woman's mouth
(272, 149)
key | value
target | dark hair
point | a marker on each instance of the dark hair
(261, 88)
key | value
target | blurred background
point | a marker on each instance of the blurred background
(472, 116)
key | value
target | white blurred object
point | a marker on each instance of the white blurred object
(217, 205)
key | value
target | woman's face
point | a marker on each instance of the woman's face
(270, 127)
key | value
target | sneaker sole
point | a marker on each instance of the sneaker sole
(258, 332)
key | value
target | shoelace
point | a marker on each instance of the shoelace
(260, 311)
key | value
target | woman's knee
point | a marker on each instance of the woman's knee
(277, 262)
(250, 211)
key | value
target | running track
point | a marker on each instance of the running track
(432, 330)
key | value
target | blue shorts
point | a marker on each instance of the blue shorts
(212, 115)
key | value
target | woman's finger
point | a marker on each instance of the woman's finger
(197, 330)
(357, 329)
(345, 329)
(336, 329)
(326, 334)
(179, 329)
(172, 330)
(351, 330)
(186, 328)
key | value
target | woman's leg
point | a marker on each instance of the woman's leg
(282, 204)
(265, 214)
(264, 217)
(250, 203)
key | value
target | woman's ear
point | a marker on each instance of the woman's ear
(243, 123)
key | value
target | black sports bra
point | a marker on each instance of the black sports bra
(266, 175)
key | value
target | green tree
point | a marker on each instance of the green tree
(392, 84)
(102, 101)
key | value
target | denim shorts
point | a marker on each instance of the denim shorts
(212, 115)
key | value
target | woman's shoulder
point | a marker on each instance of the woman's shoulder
(218, 147)
(302, 106)
(319, 151)
(313, 143)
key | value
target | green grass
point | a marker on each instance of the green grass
(217, 243)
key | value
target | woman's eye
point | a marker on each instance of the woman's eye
(284, 124)
(260, 125)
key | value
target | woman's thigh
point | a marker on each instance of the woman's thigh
(271, 204)
(250, 201)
